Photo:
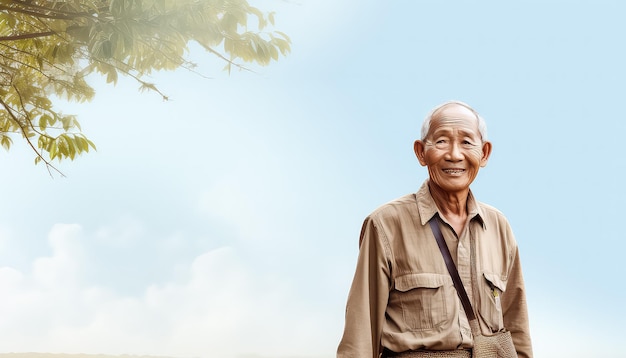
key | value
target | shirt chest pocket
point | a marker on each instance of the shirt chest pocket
(492, 287)
(427, 300)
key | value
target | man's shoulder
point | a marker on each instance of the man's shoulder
(490, 212)
(398, 206)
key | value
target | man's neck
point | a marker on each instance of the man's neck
(451, 205)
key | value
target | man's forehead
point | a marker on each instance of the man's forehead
(450, 123)
(454, 121)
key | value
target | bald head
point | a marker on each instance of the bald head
(454, 109)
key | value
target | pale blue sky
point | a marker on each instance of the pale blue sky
(226, 220)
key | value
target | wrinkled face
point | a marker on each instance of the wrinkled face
(453, 150)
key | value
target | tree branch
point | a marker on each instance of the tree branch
(231, 62)
(50, 15)
(27, 36)
(30, 5)
(30, 143)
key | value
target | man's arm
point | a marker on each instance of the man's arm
(367, 300)
(515, 311)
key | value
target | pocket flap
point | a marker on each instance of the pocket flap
(415, 280)
(495, 280)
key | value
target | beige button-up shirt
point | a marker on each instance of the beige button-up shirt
(402, 297)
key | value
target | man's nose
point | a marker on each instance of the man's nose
(454, 152)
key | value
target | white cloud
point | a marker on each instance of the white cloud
(62, 268)
(220, 307)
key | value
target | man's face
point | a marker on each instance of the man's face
(453, 151)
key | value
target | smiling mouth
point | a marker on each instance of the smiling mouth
(453, 171)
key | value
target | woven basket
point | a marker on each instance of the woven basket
(458, 353)
(500, 345)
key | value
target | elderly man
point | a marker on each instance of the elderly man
(403, 302)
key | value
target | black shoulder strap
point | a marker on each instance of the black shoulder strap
(458, 284)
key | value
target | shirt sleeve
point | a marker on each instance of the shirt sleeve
(515, 311)
(367, 300)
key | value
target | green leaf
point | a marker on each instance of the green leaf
(6, 142)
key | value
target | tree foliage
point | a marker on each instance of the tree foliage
(47, 48)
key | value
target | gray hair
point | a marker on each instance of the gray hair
(482, 126)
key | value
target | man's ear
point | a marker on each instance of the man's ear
(418, 148)
(487, 146)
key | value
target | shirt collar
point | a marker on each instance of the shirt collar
(427, 207)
